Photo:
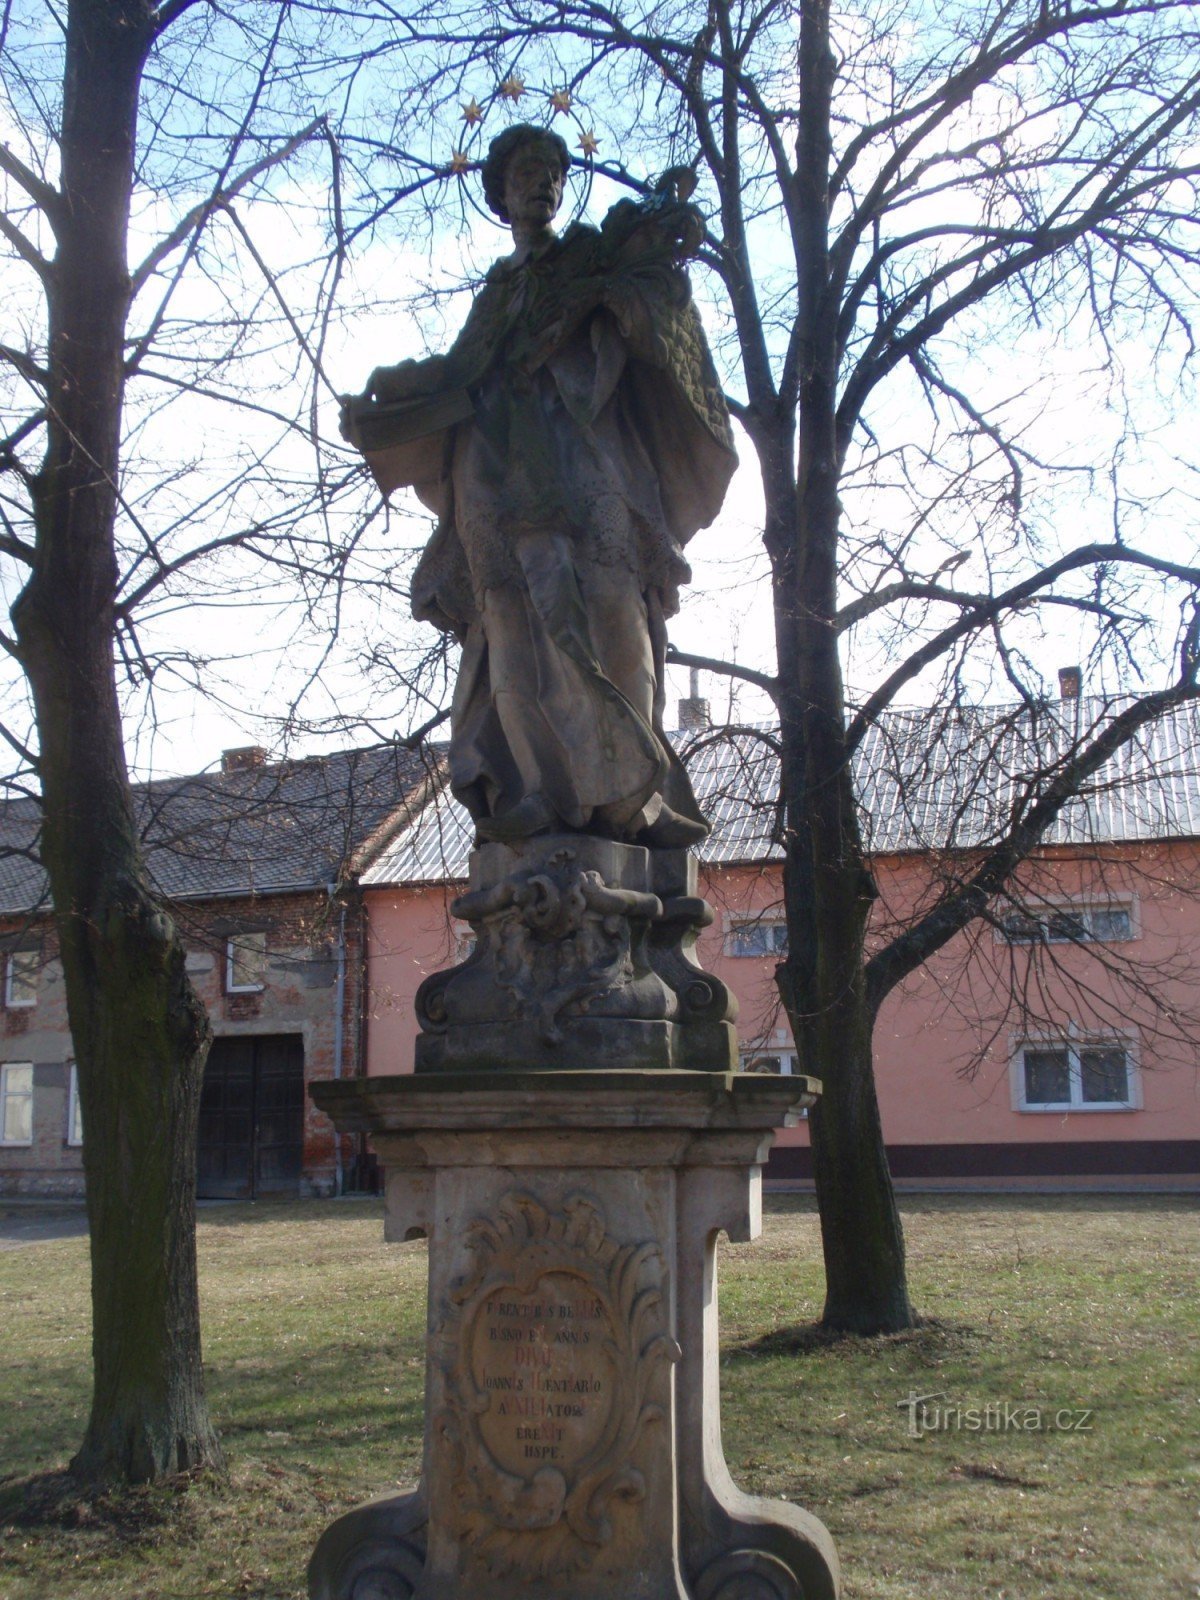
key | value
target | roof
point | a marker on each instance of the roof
(281, 825)
(927, 779)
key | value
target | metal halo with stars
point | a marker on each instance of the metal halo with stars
(467, 157)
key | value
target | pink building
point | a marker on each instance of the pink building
(1050, 1044)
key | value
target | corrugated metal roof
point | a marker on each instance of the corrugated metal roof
(926, 779)
(290, 824)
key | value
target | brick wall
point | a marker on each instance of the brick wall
(305, 941)
(38, 1034)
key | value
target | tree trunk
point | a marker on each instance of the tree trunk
(827, 895)
(827, 887)
(140, 1034)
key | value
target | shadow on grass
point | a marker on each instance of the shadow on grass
(930, 1338)
(56, 1501)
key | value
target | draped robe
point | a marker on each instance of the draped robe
(571, 442)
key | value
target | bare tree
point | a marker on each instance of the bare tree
(161, 453)
(922, 225)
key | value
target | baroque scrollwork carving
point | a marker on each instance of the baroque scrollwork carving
(551, 1352)
(560, 937)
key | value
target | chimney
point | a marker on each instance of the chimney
(694, 712)
(243, 758)
(1070, 682)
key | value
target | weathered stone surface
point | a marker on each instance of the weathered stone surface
(572, 1439)
(576, 951)
(571, 441)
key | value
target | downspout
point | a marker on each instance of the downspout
(339, 1033)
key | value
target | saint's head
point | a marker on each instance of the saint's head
(523, 177)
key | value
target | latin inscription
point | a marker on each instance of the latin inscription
(543, 1363)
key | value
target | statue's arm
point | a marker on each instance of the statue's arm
(408, 380)
(458, 368)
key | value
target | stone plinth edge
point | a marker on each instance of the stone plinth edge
(587, 1097)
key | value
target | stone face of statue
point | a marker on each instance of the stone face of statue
(533, 189)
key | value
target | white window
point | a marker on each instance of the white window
(756, 936)
(245, 963)
(21, 977)
(74, 1114)
(1075, 1075)
(16, 1103)
(771, 1059)
(1069, 924)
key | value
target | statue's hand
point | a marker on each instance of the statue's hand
(349, 404)
(408, 380)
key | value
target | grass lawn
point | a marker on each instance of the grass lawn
(313, 1340)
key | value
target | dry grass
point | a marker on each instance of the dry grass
(313, 1342)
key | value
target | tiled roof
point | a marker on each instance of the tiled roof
(282, 825)
(927, 779)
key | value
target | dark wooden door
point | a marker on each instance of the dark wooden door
(251, 1138)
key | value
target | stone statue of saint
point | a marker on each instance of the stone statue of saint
(571, 441)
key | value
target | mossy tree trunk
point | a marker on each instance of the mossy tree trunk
(140, 1033)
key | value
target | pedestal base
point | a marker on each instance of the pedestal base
(572, 1424)
(584, 949)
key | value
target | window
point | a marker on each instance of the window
(782, 1062)
(74, 1114)
(1100, 924)
(1069, 1075)
(757, 936)
(16, 1103)
(21, 977)
(245, 963)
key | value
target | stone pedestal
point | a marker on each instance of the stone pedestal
(572, 1425)
(584, 950)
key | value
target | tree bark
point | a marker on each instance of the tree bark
(140, 1034)
(827, 886)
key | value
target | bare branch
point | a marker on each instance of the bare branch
(990, 607)
(727, 669)
(28, 252)
(44, 195)
(195, 219)
(1033, 814)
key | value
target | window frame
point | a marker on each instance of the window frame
(1076, 1044)
(789, 1058)
(11, 1002)
(6, 1068)
(1083, 908)
(735, 924)
(232, 941)
(73, 1138)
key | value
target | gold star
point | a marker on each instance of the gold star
(589, 143)
(472, 112)
(513, 87)
(459, 163)
(560, 100)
